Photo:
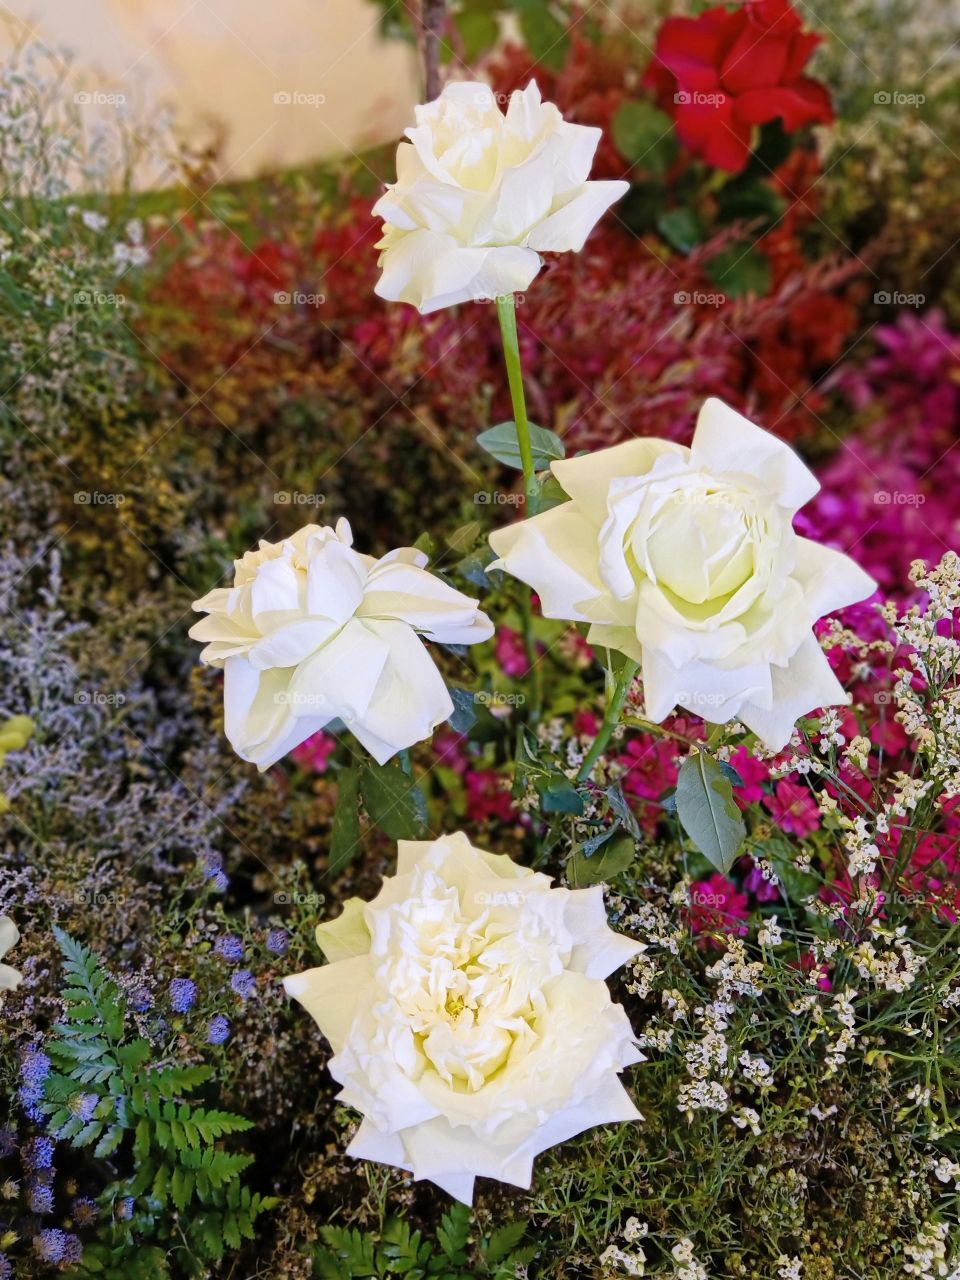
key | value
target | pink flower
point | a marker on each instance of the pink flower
(718, 906)
(450, 750)
(650, 769)
(754, 773)
(794, 808)
(511, 653)
(314, 754)
(487, 798)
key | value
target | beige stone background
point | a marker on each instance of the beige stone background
(219, 64)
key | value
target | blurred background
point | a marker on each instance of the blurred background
(219, 65)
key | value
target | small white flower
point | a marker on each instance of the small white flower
(469, 1017)
(313, 631)
(92, 220)
(10, 979)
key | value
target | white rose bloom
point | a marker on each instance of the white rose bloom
(686, 561)
(479, 192)
(313, 631)
(469, 1017)
(9, 937)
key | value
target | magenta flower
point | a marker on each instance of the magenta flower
(794, 809)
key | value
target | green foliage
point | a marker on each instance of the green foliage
(393, 800)
(108, 1094)
(501, 443)
(349, 1254)
(707, 810)
(645, 136)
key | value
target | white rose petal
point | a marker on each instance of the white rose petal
(313, 631)
(686, 561)
(480, 192)
(10, 979)
(470, 1022)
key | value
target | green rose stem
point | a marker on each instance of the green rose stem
(507, 315)
(611, 718)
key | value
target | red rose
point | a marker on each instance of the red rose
(726, 71)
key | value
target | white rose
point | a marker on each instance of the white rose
(686, 561)
(9, 937)
(469, 1017)
(313, 631)
(479, 192)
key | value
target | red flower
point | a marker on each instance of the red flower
(728, 70)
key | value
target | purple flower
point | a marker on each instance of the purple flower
(38, 1153)
(219, 882)
(219, 1029)
(230, 948)
(183, 994)
(40, 1198)
(125, 1208)
(8, 1144)
(84, 1105)
(34, 1070)
(244, 984)
(51, 1244)
(6, 1270)
(54, 1245)
(85, 1211)
(278, 941)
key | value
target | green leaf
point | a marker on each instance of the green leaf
(478, 31)
(750, 198)
(393, 800)
(738, 271)
(644, 136)
(501, 443)
(464, 715)
(708, 812)
(613, 857)
(551, 494)
(345, 835)
(681, 228)
(618, 803)
(559, 795)
(503, 1241)
(544, 35)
